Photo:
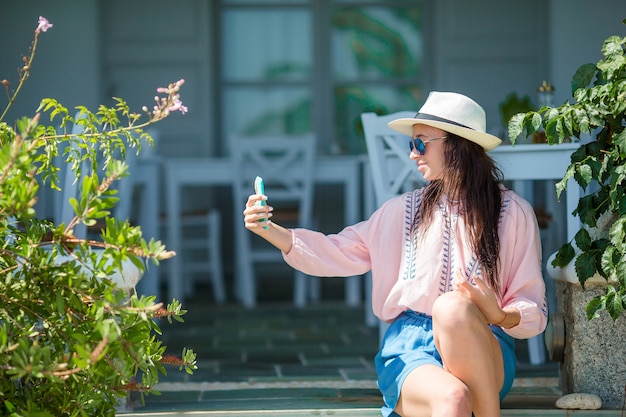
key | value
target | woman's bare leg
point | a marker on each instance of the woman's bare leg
(469, 351)
(430, 391)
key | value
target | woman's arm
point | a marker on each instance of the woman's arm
(523, 287)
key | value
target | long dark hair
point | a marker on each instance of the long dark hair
(471, 179)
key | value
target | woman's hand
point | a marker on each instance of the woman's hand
(483, 297)
(256, 217)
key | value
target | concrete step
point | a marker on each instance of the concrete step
(311, 397)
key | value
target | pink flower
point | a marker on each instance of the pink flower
(44, 25)
(165, 105)
(178, 105)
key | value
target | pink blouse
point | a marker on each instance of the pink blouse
(409, 272)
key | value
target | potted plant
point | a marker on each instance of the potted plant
(591, 269)
(72, 342)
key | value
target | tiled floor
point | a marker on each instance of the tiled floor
(277, 360)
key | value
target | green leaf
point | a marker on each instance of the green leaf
(582, 120)
(579, 155)
(59, 303)
(593, 307)
(555, 131)
(620, 272)
(583, 175)
(562, 184)
(608, 263)
(534, 123)
(583, 76)
(619, 140)
(564, 256)
(617, 232)
(586, 210)
(613, 303)
(621, 208)
(585, 266)
(583, 240)
(568, 124)
(9, 406)
(90, 222)
(74, 203)
(516, 126)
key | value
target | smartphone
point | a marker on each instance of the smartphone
(259, 188)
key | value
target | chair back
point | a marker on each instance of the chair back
(286, 165)
(393, 172)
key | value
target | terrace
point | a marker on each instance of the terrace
(280, 361)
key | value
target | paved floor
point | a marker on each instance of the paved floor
(278, 360)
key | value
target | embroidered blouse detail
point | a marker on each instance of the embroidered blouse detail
(411, 219)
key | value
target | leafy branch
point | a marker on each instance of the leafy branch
(598, 166)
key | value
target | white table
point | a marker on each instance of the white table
(343, 170)
(524, 162)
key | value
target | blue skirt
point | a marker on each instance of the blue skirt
(409, 343)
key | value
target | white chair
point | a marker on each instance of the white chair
(286, 165)
(388, 154)
(199, 254)
(392, 172)
(201, 251)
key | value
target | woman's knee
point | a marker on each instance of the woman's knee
(448, 396)
(451, 400)
(452, 308)
(459, 397)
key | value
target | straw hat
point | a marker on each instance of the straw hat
(454, 113)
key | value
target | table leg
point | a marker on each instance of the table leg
(175, 288)
(149, 222)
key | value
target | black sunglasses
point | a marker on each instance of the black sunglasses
(419, 145)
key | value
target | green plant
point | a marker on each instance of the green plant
(598, 166)
(72, 343)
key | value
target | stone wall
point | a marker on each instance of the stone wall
(595, 351)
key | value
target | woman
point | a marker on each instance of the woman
(456, 268)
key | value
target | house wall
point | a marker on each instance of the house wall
(67, 64)
(148, 47)
(577, 29)
(484, 48)
(488, 49)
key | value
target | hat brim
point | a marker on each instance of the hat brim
(487, 141)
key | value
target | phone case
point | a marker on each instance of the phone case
(259, 188)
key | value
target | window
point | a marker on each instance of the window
(295, 66)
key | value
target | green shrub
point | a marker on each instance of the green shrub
(598, 166)
(72, 342)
